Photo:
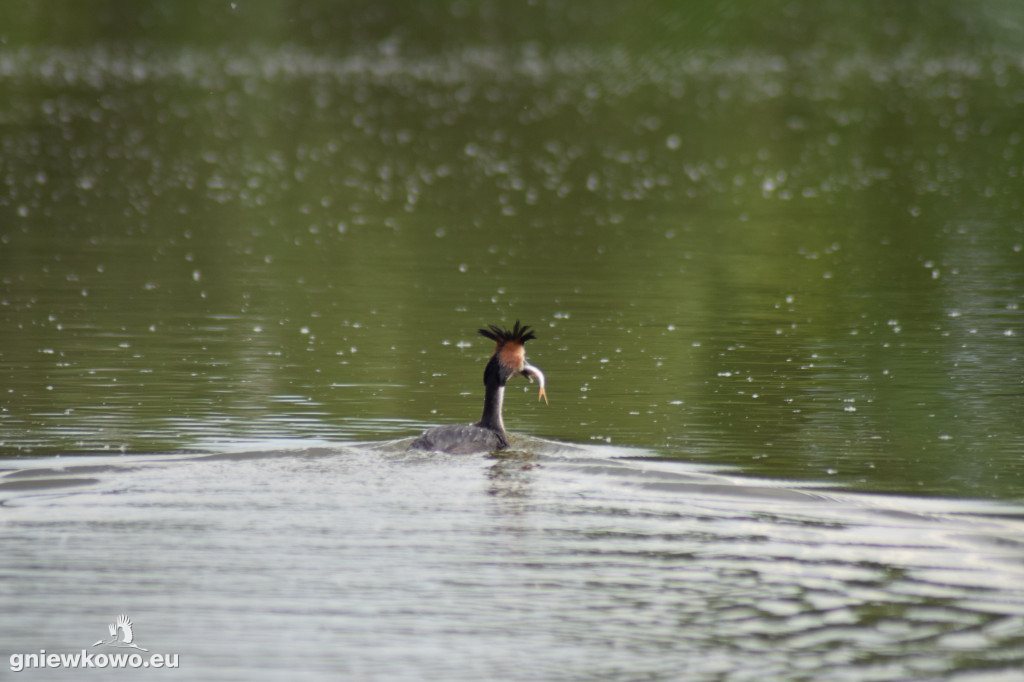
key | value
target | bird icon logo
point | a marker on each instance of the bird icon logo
(124, 624)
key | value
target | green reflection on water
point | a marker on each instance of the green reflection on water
(805, 261)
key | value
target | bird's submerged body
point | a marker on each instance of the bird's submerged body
(460, 439)
(488, 434)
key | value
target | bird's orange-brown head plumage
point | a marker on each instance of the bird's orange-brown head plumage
(509, 345)
(509, 356)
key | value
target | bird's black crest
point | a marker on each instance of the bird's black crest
(518, 334)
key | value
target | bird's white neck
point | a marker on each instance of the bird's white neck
(493, 407)
(501, 408)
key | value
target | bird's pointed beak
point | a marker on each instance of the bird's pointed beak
(531, 373)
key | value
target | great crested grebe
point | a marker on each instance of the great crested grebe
(488, 434)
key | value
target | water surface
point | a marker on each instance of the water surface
(283, 243)
(564, 564)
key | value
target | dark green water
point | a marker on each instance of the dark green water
(802, 258)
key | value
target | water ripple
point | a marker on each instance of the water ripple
(389, 564)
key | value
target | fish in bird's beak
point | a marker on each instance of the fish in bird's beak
(531, 372)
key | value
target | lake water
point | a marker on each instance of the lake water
(775, 261)
(564, 564)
